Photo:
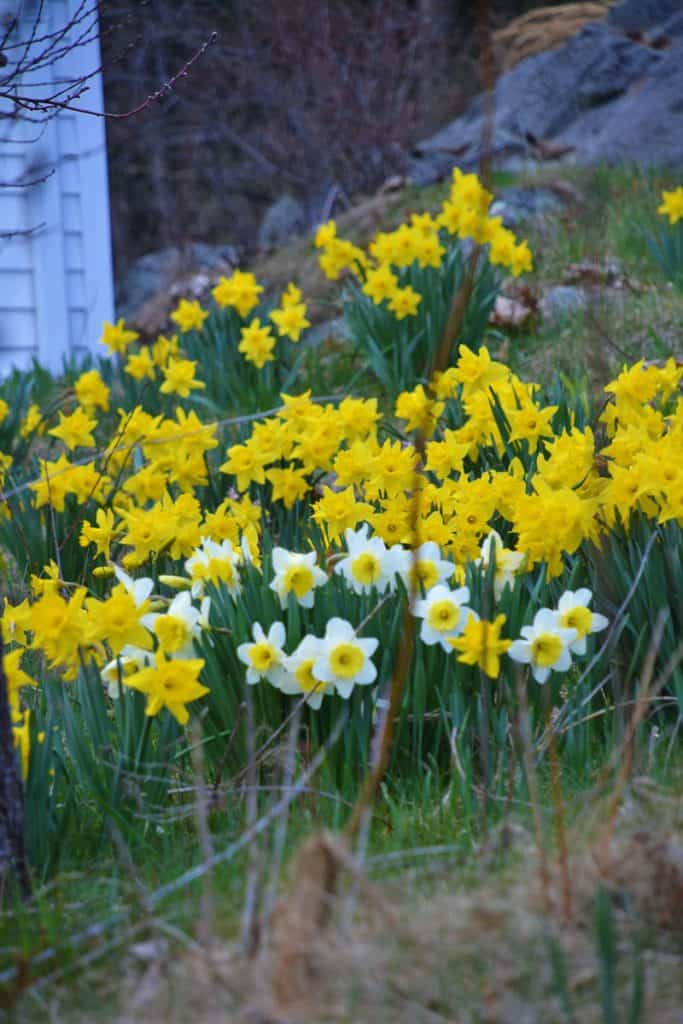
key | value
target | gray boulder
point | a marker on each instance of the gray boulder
(672, 27)
(539, 99)
(156, 271)
(644, 126)
(642, 15)
(562, 302)
(329, 330)
(517, 205)
(284, 219)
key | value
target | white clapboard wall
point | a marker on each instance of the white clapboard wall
(55, 246)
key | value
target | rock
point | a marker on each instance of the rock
(672, 27)
(284, 219)
(517, 205)
(646, 125)
(641, 15)
(156, 271)
(538, 100)
(329, 330)
(511, 314)
(592, 274)
(561, 302)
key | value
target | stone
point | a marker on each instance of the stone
(511, 313)
(518, 205)
(663, 32)
(561, 302)
(155, 271)
(646, 125)
(283, 220)
(335, 329)
(641, 15)
(538, 100)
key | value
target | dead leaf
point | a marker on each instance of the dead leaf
(511, 313)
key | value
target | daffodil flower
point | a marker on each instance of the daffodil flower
(300, 678)
(130, 660)
(179, 626)
(265, 657)
(369, 563)
(573, 613)
(507, 562)
(138, 589)
(345, 659)
(296, 574)
(444, 613)
(545, 646)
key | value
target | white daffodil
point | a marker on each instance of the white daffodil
(214, 563)
(545, 646)
(573, 613)
(296, 574)
(265, 657)
(507, 562)
(130, 660)
(138, 589)
(444, 614)
(344, 659)
(300, 678)
(425, 568)
(179, 625)
(369, 563)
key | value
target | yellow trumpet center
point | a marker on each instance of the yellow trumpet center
(443, 616)
(546, 649)
(346, 660)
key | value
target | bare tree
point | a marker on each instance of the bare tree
(42, 76)
(297, 97)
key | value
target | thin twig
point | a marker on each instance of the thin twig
(33, 104)
(187, 878)
(205, 927)
(248, 927)
(616, 622)
(281, 827)
(151, 441)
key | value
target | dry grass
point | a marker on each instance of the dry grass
(442, 942)
(543, 29)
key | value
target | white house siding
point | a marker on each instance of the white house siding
(17, 277)
(55, 270)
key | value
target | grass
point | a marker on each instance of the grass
(433, 845)
(606, 224)
(452, 909)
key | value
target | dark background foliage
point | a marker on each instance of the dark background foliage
(299, 97)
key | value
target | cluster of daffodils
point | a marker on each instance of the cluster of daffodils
(334, 663)
(147, 642)
(162, 363)
(149, 488)
(165, 364)
(546, 645)
(424, 242)
(385, 509)
(133, 636)
(241, 293)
